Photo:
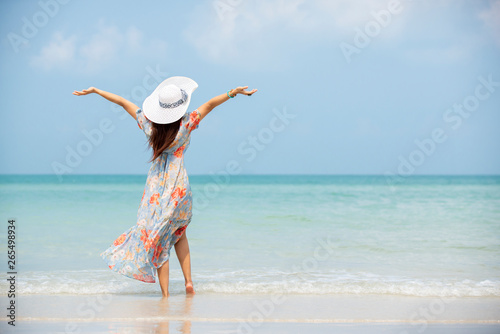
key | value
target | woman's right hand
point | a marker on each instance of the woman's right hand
(85, 91)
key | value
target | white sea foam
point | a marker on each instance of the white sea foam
(254, 282)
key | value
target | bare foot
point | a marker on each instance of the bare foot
(163, 296)
(189, 288)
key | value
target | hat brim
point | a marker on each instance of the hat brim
(155, 113)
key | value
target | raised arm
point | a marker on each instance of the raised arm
(207, 107)
(126, 104)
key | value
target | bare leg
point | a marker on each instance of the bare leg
(163, 278)
(182, 251)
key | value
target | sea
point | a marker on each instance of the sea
(429, 236)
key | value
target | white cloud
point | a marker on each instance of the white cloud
(262, 32)
(228, 29)
(101, 48)
(347, 15)
(98, 50)
(134, 38)
(491, 18)
(59, 52)
(225, 33)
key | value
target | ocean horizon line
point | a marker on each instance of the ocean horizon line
(256, 174)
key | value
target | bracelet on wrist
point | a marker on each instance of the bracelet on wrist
(229, 95)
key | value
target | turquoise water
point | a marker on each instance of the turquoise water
(427, 236)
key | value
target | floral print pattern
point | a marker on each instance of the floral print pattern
(164, 212)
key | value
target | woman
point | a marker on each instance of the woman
(143, 250)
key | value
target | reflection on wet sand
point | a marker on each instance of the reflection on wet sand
(153, 315)
(168, 308)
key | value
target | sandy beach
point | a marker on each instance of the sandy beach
(219, 313)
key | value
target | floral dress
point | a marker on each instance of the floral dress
(165, 209)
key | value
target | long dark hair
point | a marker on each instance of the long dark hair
(162, 136)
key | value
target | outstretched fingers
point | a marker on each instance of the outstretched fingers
(242, 90)
(84, 91)
(246, 92)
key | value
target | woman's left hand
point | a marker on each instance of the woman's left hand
(241, 90)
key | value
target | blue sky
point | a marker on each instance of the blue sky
(369, 86)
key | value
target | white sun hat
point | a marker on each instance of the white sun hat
(170, 100)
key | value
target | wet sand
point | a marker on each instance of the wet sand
(216, 313)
